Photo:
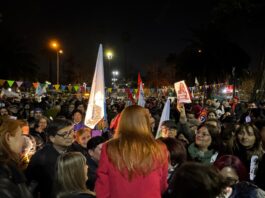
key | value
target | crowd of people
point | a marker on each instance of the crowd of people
(208, 148)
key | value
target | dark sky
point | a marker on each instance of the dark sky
(154, 29)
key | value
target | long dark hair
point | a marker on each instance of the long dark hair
(257, 148)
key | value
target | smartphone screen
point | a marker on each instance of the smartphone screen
(247, 119)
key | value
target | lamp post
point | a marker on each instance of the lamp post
(109, 56)
(55, 45)
(115, 74)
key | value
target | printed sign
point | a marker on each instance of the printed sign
(182, 92)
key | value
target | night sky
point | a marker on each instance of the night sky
(153, 29)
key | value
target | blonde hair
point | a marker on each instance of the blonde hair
(134, 150)
(8, 126)
(70, 175)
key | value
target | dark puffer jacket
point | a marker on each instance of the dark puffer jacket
(247, 190)
(12, 183)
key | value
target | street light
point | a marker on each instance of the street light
(115, 74)
(109, 55)
(55, 45)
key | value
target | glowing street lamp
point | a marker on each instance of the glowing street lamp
(55, 45)
(115, 73)
(109, 55)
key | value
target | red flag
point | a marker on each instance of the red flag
(130, 95)
(139, 83)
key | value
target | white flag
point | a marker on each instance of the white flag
(196, 81)
(165, 116)
(141, 101)
(192, 92)
(9, 93)
(96, 104)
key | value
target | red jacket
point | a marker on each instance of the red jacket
(111, 184)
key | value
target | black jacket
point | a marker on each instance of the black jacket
(91, 174)
(12, 182)
(41, 170)
(75, 147)
(260, 177)
(246, 190)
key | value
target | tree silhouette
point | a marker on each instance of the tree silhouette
(210, 56)
(16, 61)
(241, 15)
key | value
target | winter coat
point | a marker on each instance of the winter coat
(12, 182)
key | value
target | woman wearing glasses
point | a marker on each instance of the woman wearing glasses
(132, 164)
(206, 146)
(41, 168)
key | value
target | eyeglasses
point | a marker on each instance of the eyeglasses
(65, 134)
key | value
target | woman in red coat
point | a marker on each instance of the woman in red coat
(132, 164)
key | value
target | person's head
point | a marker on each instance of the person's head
(227, 136)
(71, 173)
(211, 115)
(214, 122)
(11, 140)
(252, 105)
(207, 137)
(176, 149)
(13, 109)
(134, 121)
(181, 137)
(3, 112)
(168, 129)
(94, 146)
(248, 136)
(81, 107)
(235, 99)
(60, 132)
(77, 116)
(193, 124)
(197, 180)
(82, 136)
(232, 169)
(43, 122)
(71, 107)
(134, 148)
(37, 113)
